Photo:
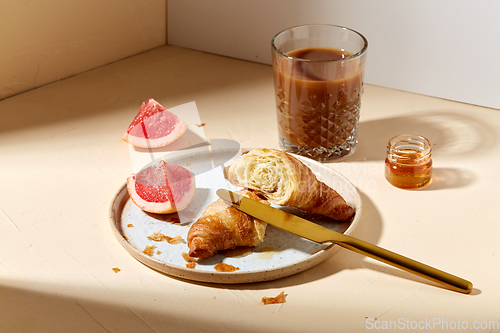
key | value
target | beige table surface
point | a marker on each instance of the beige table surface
(62, 160)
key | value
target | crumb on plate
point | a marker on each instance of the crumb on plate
(223, 267)
(281, 298)
(191, 265)
(188, 258)
(116, 269)
(176, 240)
(149, 250)
(159, 237)
(175, 220)
(130, 225)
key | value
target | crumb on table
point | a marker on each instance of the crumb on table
(281, 298)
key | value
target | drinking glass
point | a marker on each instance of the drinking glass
(318, 80)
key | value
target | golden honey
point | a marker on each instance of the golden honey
(408, 164)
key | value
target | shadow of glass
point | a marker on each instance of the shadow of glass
(450, 134)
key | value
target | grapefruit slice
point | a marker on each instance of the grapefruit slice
(154, 126)
(162, 188)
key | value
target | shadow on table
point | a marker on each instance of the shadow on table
(447, 178)
(369, 229)
(73, 310)
(89, 310)
(451, 134)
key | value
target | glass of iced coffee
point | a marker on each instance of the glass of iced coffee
(318, 80)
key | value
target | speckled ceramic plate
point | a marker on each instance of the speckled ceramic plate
(281, 254)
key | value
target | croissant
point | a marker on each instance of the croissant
(286, 181)
(222, 227)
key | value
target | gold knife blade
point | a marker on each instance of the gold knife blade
(319, 234)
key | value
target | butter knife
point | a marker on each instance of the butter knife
(319, 234)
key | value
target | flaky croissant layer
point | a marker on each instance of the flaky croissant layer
(222, 227)
(286, 181)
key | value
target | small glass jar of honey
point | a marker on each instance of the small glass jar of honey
(408, 164)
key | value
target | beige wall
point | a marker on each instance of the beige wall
(443, 48)
(42, 41)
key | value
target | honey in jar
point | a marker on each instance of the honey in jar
(408, 164)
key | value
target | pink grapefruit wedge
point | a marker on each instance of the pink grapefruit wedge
(162, 188)
(154, 126)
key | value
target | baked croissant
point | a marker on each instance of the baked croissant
(223, 227)
(286, 181)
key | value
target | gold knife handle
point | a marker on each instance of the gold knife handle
(451, 281)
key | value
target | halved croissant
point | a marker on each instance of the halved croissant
(222, 227)
(286, 181)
